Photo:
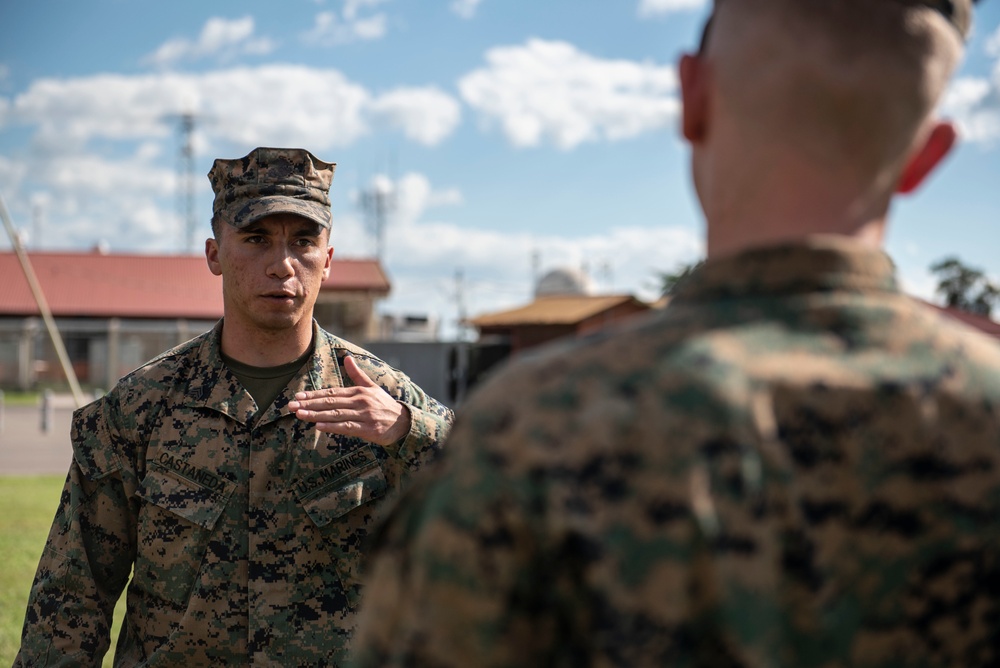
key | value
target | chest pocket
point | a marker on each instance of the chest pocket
(175, 524)
(338, 499)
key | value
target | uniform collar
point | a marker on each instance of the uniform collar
(212, 385)
(821, 264)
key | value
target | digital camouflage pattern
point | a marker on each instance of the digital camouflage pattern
(245, 540)
(269, 181)
(793, 465)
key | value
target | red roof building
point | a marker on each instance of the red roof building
(94, 285)
(564, 305)
(551, 317)
(147, 286)
(980, 322)
(115, 311)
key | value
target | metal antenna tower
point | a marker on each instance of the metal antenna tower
(185, 179)
(378, 201)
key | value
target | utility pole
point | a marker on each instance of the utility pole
(608, 276)
(460, 372)
(43, 305)
(536, 267)
(460, 302)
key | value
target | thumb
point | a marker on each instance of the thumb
(356, 374)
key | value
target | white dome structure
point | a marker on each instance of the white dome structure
(564, 281)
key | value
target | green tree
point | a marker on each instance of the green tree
(965, 287)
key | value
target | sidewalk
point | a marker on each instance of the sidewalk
(26, 450)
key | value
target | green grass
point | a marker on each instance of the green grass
(27, 506)
(17, 398)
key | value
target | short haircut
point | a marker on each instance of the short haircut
(844, 81)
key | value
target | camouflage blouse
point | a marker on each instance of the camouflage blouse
(794, 464)
(240, 542)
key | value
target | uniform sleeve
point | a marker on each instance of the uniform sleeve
(89, 552)
(429, 426)
(430, 420)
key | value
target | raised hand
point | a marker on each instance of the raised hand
(364, 410)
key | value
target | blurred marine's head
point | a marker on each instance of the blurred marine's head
(843, 89)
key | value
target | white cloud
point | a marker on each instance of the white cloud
(993, 43)
(415, 197)
(405, 202)
(219, 37)
(85, 199)
(352, 7)
(550, 91)
(11, 174)
(424, 250)
(68, 113)
(650, 8)
(974, 103)
(465, 8)
(284, 105)
(329, 29)
(276, 104)
(99, 194)
(498, 265)
(406, 199)
(88, 176)
(425, 115)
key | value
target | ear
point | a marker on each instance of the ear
(927, 156)
(694, 105)
(212, 256)
(329, 259)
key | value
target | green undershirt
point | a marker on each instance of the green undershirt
(265, 383)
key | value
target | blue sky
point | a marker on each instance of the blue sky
(515, 136)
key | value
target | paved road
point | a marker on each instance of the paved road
(27, 450)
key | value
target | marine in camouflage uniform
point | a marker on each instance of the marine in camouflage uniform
(794, 464)
(238, 529)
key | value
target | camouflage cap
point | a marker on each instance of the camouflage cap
(272, 180)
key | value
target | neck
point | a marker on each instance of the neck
(729, 237)
(778, 209)
(266, 348)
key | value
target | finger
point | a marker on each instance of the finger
(356, 430)
(326, 415)
(356, 374)
(322, 393)
(348, 399)
(347, 428)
